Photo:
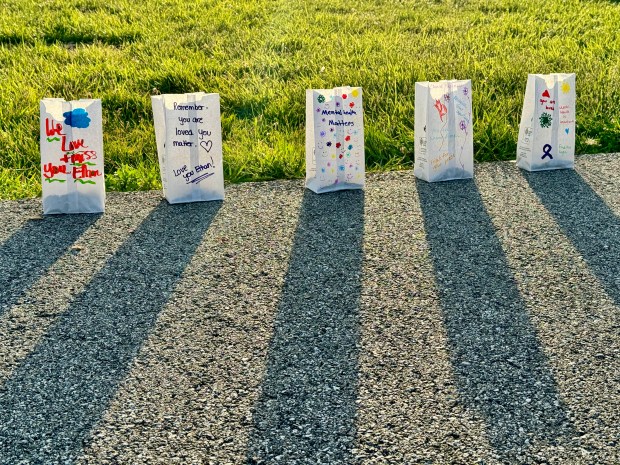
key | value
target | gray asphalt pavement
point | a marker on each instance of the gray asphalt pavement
(467, 322)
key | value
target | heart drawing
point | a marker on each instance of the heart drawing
(566, 130)
(207, 145)
(546, 94)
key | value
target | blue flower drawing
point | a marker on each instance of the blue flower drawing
(77, 118)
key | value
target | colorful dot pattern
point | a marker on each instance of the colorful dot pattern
(347, 164)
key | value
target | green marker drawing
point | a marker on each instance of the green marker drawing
(53, 139)
(82, 164)
(545, 120)
(84, 182)
(57, 180)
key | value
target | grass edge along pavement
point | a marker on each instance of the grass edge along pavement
(261, 56)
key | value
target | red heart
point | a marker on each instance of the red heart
(340, 156)
(344, 96)
(348, 138)
(338, 144)
(546, 94)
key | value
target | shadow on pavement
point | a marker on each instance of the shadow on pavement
(501, 370)
(586, 220)
(306, 411)
(33, 249)
(59, 392)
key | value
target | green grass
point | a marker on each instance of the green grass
(261, 55)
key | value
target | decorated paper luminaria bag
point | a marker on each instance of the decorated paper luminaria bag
(444, 144)
(547, 130)
(188, 132)
(72, 156)
(334, 139)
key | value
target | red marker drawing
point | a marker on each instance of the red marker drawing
(441, 108)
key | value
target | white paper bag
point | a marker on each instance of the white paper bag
(188, 131)
(547, 130)
(72, 156)
(444, 143)
(334, 139)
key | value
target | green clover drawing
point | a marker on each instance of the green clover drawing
(321, 98)
(545, 120)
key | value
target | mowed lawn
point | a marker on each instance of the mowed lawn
(261, 55)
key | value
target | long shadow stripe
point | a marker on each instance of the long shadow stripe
(586, 220)
(306, 411)
(501, 370)
(50, 404)
(33, 249)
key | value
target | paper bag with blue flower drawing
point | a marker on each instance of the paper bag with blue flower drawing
(72, 156)
(188, 132)
(444, 144)
(547, 130)
(334, 139)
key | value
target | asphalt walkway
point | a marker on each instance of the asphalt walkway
(468, 322)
